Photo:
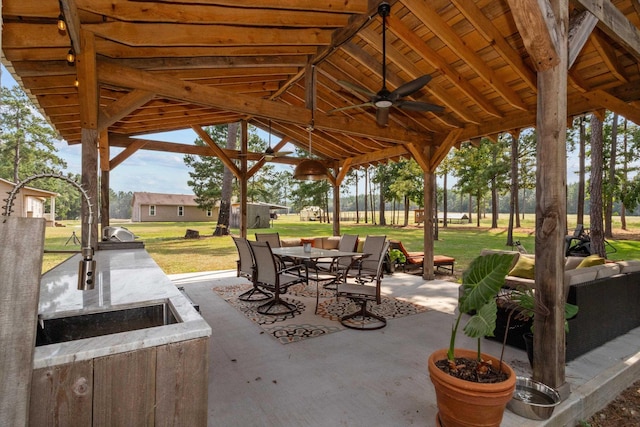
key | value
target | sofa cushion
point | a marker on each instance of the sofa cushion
(290, 241)
(331, 242)
(525, 268)
(630, 266)
(572, 262)
(590, 261)
(499, 251)
(607, 270)
(579, 275)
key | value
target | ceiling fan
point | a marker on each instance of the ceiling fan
(385, 99)
(270, 153)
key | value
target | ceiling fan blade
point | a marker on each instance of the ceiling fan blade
(357, 88)
(419, 106)
(410, 87)
(348, 107)
(382, 116)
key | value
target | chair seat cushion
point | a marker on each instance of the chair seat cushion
(349, 288)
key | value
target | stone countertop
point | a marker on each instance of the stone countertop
(124, 279)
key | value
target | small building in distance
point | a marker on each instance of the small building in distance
(311, 213)
(153, 207)
(30, 202)
(259, 214)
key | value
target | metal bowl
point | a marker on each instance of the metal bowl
(533, 400)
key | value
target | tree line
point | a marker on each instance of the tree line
(488, 175)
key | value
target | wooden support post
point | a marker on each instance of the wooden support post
(336, 209)
(243, 179)
(88, 95)
(551, 173)
(104, 179)
(429, 189)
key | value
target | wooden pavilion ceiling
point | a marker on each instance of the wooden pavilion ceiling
(166, 65)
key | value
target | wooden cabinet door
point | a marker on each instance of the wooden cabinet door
(124, 389)
(62, 395)
(182, 383)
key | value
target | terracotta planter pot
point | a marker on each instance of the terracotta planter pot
(465, 403)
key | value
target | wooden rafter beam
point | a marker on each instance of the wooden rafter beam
(417, 151)
(581, 25)
(122, 107)
(174, 88)
(170, 35)
(609, 56)
(210, 14)
(614, 24)
(134, 146)
(443, 149)
(432, 57)
(536, 24)
(484, 26)
(444, 32)
(218, 151)
(379, 156)
(338, 38)
(608, 101)
(71, 18)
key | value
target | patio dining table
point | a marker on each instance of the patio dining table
(307, 258)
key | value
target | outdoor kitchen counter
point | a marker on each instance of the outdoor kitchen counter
(124, 279)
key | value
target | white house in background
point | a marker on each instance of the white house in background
(29, 202)
(152, 207)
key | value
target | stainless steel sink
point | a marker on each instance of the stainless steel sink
(62, 329)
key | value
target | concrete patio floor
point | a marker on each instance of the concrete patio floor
(370, 378)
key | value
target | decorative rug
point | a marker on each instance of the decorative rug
(304, 323)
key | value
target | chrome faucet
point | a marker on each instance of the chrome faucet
(87, 267)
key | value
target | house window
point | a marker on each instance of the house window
(209, 213)
(180, 210)
(152, 210)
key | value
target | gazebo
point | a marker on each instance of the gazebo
(353, 82)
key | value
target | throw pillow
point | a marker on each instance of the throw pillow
(525, 268)
(360, 245)
(590, 261)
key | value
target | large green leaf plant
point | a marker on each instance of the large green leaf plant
(481, 282)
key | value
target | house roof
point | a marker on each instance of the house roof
(144, 198)
(285, 64)
(30, 190)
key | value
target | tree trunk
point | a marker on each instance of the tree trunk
(366, 195)
(383, 220)
(445, 205)
(581, 173)
(623, 210)
(478, 203)
(373, 212)
(595, 189)
(470, 206)
(406, 210)
(357, 203)
(434, 215)
(224, 216)
(608, 227)
(514, 189)
(16, 157)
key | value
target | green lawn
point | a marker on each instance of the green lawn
(166, 244)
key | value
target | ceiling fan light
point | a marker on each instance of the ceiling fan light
(311, 170)
(383, 103)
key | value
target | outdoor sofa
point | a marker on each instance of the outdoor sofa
(607, 296)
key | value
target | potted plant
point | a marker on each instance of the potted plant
(473, 388)
(525, 305)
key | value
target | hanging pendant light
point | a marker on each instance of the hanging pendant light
(310, 169)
